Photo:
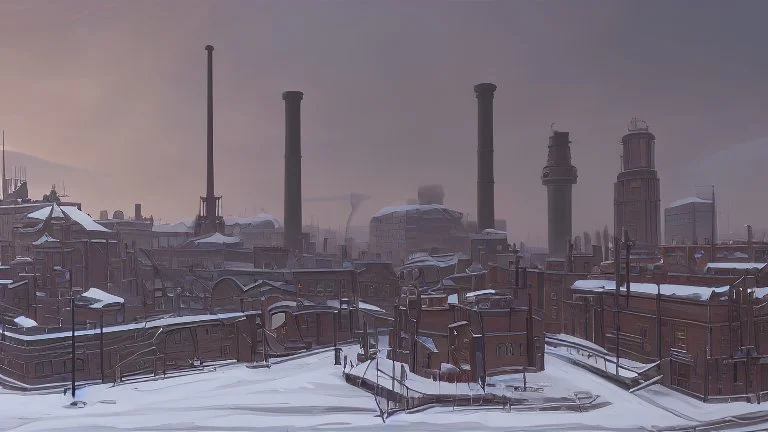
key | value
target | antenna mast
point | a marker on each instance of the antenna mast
(714, 223)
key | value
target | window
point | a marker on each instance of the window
(175, 338)
(725, 345)
(680, 337)
(501, 350)
(553, 304)
(644, 332)
(505, 350)
(371, 290)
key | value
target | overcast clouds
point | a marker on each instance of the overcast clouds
(118, 87)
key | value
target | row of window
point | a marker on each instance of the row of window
(49, 367)
(508, 349)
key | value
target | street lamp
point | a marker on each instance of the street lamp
(628, 244)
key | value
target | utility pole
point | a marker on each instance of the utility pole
(72, 308)
(714, 226)
(5, 185)
(628, 243)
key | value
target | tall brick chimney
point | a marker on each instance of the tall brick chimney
(292, 199)
(485, 204)
(210, 199)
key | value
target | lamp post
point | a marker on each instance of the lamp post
(72, 309)
(516, 253)
(628, 244)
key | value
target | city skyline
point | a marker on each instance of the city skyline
(386, 120)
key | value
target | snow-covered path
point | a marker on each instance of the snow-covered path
(308, 394)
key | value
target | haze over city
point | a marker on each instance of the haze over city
(116, 91)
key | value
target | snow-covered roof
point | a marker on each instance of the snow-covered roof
(422, 259)
(22, 260)
(736, 265)
(688, 201)
(491, 233)
(43, 213)
(427, 342)
(43, 239)
(218, 238)
(367, 306)
(98, 299)
(252, 220)
(283, 304)
(480, 292)
(668, 290)
(25, 322)
(72, 212)
(416, 208)
(187, 319)
(179, 227)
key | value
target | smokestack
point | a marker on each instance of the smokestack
(559, 176)
(485, 205)
(210, 199)
(292, 199)
(137, 212)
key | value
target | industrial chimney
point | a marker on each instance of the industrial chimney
(137, 212)
(292, 199)
(210, 200)
(559, 176)
(485, 205)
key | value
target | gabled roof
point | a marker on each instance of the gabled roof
(95, 298)
(45, 238)
(54, 211)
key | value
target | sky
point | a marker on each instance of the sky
(116, 89)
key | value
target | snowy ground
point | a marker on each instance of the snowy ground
(310, 394)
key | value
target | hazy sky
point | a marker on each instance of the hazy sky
(119, 88)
